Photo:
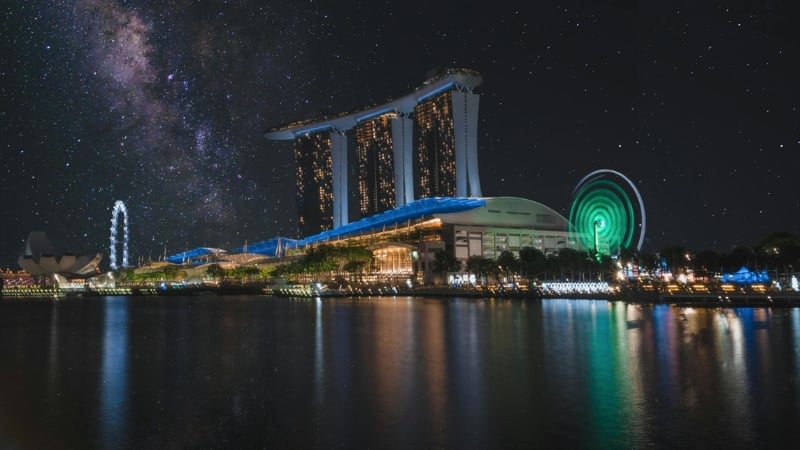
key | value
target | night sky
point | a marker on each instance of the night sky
(164, 105)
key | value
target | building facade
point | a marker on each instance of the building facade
(408, 237)
(435, 148)
(434, 127)
(375, 157)
(312, 155)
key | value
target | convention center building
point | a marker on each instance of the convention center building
(404, 240)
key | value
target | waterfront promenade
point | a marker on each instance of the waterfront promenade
(658, 295)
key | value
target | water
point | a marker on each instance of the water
(260, 372)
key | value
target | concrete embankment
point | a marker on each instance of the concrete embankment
(790, 299)
(768, 299)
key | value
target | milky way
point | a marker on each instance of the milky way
(183, 168)
(157, 121)
(164, 104)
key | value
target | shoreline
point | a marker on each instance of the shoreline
(768, 299)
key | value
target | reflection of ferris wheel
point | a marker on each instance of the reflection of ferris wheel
(119, 207)
(603, 216)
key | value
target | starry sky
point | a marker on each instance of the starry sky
(164, 105)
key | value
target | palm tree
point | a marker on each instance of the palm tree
(444, 262)
(571, 260)
(706, 262)
(780, 252)
(355, 269)
(507, 263)
(675, 256)
(480, 266)
(215, 271)
(531, 262)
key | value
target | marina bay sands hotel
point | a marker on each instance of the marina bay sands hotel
(423, 144)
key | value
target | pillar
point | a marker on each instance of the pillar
(339, 175)
(465, 131)
(402, 146)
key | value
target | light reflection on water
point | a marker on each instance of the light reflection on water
(394, 373)
(114, 371)
(796, 334)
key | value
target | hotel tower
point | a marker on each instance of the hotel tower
(423, 144)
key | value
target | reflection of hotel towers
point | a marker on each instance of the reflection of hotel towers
(446, 112)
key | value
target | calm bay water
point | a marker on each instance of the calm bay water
(263, 372)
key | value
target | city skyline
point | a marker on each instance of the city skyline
(164, 107)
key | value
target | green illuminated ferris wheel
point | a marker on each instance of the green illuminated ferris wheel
(603, 216)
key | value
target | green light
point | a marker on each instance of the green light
(602, 217)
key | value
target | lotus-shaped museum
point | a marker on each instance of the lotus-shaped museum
(39, 258)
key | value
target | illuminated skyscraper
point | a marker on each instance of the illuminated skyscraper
(446, 112)
(446, 148)
(435, 148)
(312, 155)
(375, 155)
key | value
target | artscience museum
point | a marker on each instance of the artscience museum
(40, 259)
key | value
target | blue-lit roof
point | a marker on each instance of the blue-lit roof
(419, 209)
(422, 208)
(268, 247)
(188, 255)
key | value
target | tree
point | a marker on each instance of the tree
(706, 263)
(507, 262)
(292, 268)
(480, 266)
(675, 256)
(780, 251)
(570, 261)
(215, 271)
(355, 268)
(125, 274)
(356, 259)
(738, 257)
(444, 261)
(329, 262)
(648, 262)
(319, 259)
(170, 272)
(247, 272)
(268, 271)
(531, 262)
(606, 267)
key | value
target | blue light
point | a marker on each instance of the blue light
(374, 114)
(268, 247)
(435, 92)
(422, 208)
(189, 255)
(745, 276)
(303, 131)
